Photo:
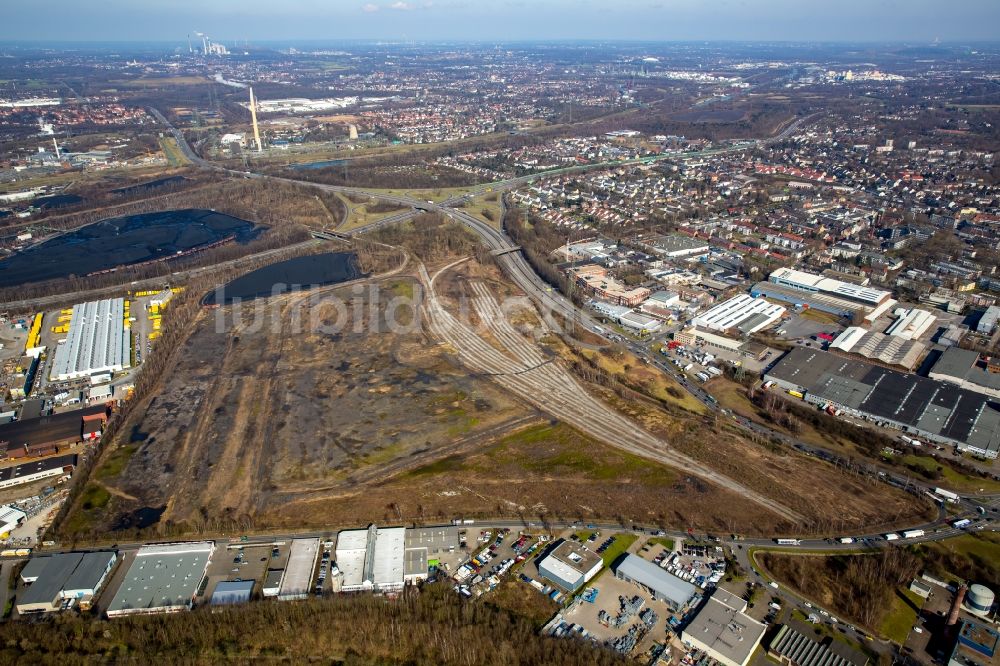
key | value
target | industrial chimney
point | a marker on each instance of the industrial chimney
(956, 606)
(253, 116)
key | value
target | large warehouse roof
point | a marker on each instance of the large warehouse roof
(934, 407)
(811, 282)
(97, 341)
(162, 577)
(888, 349)
(664, 584)
(302, 556)
(743, 311)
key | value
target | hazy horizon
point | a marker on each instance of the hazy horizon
(158, 21)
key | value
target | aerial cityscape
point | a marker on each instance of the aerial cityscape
(535, 333)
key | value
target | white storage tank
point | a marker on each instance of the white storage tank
(980, 598)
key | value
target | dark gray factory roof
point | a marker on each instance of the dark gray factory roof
(931, 405)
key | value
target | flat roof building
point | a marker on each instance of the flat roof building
(97, 341)
(930, 408)
(676, 593)
(37, 470)
(570, 565)
(742, 313)
(596, 280)
(272, 582)
(810, 282)
(976, 645)
(372, 559)
(962, 367)
(231, 592)
(385, 559)
(163, 578)
(302, 557)
(57, 578)
(676, 246)
(723, 631)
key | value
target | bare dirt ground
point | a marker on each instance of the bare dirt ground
(255, 419)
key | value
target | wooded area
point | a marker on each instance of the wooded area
(433, 627)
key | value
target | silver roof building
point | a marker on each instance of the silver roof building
(665, 586)
(97, 341)
(162, 578)
(723, 631)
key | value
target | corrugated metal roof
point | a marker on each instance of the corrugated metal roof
(664, 584)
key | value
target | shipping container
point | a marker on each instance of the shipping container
(913, 534)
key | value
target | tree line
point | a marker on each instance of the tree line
(430, 626)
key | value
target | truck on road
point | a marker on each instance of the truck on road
(913, 534)
(890, 536)
(961, 524)
(846, 540)
(788, 542)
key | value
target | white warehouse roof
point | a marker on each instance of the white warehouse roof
(911, 324)
(97, 342)
(739, 310)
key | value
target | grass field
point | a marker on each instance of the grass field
(480, 206)
(359, 216)
(175, 156)
(655, 383)
(952, 478)
(615, 550)
(901, 615)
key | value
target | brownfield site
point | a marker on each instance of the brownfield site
(275, 422)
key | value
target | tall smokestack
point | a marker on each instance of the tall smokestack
(253, 116)
(956, 606)
(56, 144)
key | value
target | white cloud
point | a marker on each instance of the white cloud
(401, 6)
(369, 8)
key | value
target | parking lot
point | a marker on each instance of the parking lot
(247, 562)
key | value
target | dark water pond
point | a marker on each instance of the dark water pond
(301, 272)
(318, 165)
(123, 241)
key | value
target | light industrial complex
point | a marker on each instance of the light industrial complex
(97, 341)
(827, 294)
(926, 407)
(742, 313)
(385, 559)
(570, 565)
(162, 578)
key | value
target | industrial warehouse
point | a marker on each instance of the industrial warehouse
(37, 470)
(97, 341)
(162, 578)
(570, 565)
(742, 313)
(723, 630)
(386, 559)
(58, 581)
(827, 294)
(926, 407)
(673, 591)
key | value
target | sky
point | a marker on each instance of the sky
(501, 20)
